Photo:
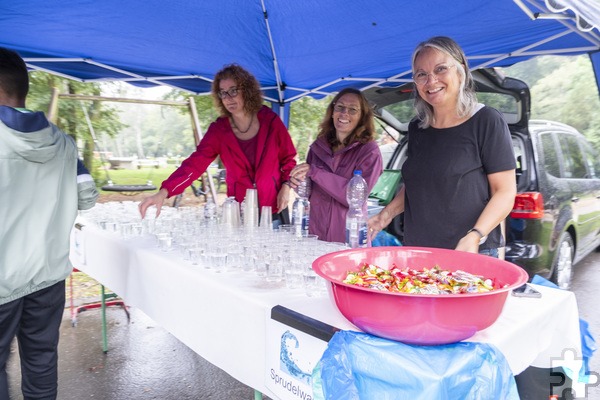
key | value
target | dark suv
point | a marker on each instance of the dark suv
(555, 221)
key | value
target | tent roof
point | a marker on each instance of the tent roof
(295, 48)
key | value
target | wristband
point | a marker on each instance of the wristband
(482, 237)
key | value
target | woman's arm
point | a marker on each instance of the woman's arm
(503, 187)
(189, 170)
(192, 167)
(369, 162)
(378, 222)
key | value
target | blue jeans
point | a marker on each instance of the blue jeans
(489, 252)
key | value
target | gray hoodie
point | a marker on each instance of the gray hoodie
(38, 203)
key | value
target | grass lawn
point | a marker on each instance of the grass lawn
(137, 176)
(141, 176)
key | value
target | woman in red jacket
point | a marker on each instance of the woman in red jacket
(252, 141)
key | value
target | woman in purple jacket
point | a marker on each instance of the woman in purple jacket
(345, 143)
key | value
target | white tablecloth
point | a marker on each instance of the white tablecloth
(223, 316)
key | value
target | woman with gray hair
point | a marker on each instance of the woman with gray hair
(459, 175)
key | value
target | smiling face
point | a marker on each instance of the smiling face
(442, 85)
(343, 120)
(233, 104)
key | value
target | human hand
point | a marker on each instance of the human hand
(298, 174)
(468, 243)
(376, 224)
(283, 198)
(156, 199)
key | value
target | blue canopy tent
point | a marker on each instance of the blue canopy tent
(295, 48)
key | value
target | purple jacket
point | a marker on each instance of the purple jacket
(330, 173)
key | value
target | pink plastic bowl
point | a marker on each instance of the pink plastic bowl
(418, 318)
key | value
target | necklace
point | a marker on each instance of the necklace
(247, 129)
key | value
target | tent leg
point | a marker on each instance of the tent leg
(104, 338)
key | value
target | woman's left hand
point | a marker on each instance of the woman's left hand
(283, 198)
(469, 243)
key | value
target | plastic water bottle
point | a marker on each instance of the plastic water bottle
(301, 209)
(356, 220)
(210, 212)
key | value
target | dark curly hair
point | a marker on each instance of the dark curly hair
(247, 85)
(364, 131)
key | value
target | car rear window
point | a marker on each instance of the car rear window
(551, 163)
(574, 162)
(591, 157)
(506, 104)
(404, 111)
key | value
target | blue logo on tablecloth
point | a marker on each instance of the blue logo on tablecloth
(289, 358)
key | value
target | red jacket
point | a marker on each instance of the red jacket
(275, 154)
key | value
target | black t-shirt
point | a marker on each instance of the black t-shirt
(445, 177)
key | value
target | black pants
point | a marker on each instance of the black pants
(35, 321)
(283, 217)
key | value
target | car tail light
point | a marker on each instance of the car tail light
(529, 205)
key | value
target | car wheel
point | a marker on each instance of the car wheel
(563, 264)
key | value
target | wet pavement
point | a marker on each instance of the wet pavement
(143, 361)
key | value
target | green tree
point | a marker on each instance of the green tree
(306, 115)
(71, 118)
(563, 89)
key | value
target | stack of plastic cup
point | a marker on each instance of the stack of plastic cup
(230, 215)
(266, 218)
(251, 209)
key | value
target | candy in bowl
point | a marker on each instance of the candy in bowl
(424, 319)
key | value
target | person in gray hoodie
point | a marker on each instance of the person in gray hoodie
(40, 193)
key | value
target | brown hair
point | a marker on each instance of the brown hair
(247, 86)
(364, 131)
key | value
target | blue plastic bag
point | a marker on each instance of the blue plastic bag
(361, 366)
(384, 238)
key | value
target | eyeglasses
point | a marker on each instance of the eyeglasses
(233, 92)
(342, 109)
(422, 77)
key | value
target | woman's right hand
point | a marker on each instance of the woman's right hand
(376, 224)
(298, 174)
(157, 199)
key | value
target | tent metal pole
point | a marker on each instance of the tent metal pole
(273, 53)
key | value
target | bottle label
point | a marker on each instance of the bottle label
(300, 217)
(362, 237)
(355, 236)
(305, 221)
